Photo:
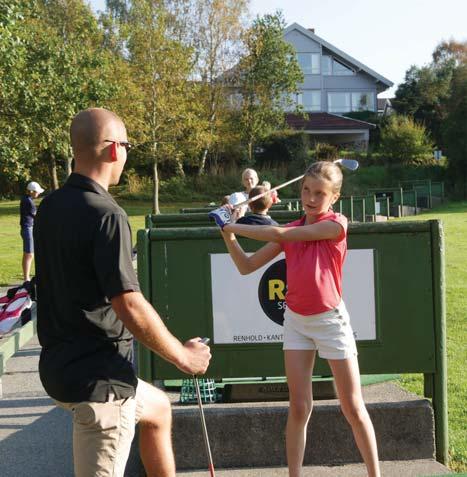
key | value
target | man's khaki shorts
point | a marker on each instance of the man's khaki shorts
(102, 434)
(330, 333)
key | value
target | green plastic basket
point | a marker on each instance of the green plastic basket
(207, 389)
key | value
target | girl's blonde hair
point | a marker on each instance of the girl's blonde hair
(325, 170)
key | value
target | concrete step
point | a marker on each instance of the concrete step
(35, 436)
(403, 468)
(252, 434)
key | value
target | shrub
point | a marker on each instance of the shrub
(282, 148)
(208, 188)
(325, 152)
(136, 183)
(403, 141)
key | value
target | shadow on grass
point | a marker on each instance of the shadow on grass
(143, 208)
(450, 208)
(12, 209)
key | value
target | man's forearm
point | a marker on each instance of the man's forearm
(147, 327)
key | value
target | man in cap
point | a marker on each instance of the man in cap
(90, 305)
(27, 210)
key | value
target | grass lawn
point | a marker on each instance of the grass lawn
(454, 217)
(11, 243)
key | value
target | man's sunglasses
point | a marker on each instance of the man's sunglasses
(124, 144)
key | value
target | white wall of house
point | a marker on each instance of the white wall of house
(357, 139)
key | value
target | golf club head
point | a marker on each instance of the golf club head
(350, 164)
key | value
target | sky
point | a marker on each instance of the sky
(388, 37)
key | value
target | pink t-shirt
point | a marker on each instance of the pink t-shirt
(314, 269)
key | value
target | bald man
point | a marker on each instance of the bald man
(89, 306)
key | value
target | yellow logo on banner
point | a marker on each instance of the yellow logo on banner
(276, 289)
(271, 291)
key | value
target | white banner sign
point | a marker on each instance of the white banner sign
(249, 308)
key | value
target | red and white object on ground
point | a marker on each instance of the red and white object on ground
(13, 309)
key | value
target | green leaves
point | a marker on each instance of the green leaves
(455, 131)
(435, 96)
(52, 67)
(425, 91)
(405, 141)
(266, 74)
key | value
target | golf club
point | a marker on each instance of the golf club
(203, 421)
(350, 164)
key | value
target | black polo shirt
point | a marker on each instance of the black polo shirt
(83, 258)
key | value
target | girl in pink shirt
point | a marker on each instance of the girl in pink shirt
(316, 319)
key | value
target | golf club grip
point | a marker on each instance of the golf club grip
(205, 340)
(256, 197)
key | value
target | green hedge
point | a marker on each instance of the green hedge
(210, 188)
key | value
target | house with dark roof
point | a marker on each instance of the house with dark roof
(334, 84)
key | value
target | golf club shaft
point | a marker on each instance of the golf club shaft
(203, 425)
(347, 163)
(256, 197)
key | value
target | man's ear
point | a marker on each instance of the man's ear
(113, 151)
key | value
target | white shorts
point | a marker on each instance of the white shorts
(329, 332)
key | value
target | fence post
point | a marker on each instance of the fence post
(440, 394)
(144, 275)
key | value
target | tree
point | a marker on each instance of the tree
(59, 68)
(168, 111)
(266, 75)
(404, 141)
(72, 71)
(450, 52)
(425, 91)
(455, 130)
(15, 154)
(423, 95)
(219, 28)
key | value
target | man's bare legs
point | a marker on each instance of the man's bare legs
(155, 428)
(347, 378)
(299, 368)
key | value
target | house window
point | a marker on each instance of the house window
(331, 66)
(346, 102)
(311, 100)
(339, 69)
(326, 65)
(339, 102)
(363, 102)
(309, 63)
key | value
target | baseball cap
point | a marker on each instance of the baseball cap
(35, 187)
(237, 197)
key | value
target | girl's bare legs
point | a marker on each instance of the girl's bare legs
(347, 378)
(299, 368)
